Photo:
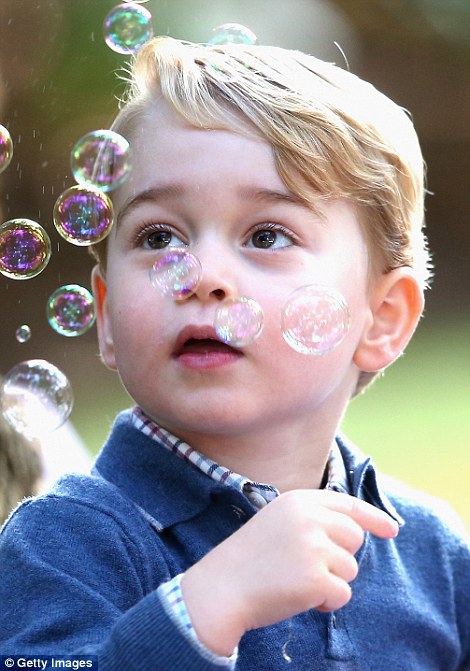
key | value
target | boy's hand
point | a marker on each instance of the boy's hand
(295, 554)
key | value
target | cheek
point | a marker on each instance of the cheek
(135, 310)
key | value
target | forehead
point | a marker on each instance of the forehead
(168, 150)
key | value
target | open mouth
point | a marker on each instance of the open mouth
(199, 347)
(204, 346)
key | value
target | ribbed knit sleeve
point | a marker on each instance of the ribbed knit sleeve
(75, 581)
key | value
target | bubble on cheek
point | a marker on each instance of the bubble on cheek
(36, 398)
(6, 148)
(232, 33)
(176, 274)
(127, 27)
(239, 321)
(315, 319)
(23, 333)
(25, 249)
(71, 310)
(83, 215)
(101, 158)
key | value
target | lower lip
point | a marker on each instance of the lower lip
(208, 360)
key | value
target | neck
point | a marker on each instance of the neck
(283, 458)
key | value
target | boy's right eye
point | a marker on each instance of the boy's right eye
(157, 237)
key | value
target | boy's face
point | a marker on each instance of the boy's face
(219, 194)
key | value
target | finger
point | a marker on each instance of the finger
(343, 530)
(368, 517)
(338, 594)
(343, 565)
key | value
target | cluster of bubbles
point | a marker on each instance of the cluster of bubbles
(128, 26)
(314, 320)
(100, 161)
(35, 396)
(82, 215)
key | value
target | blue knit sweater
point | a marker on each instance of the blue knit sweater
(80, 567)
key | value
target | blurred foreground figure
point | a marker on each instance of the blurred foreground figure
(20, 468)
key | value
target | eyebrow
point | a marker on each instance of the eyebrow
(272, 196)
(152, 195)
(170, 191)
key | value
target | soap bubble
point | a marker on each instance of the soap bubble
(36, 397)
(232, 33)
(101, 158)
(6, 148)
(315, 319)
(25, 249)
(83, 215)
(239, 321)
(176, 274)
(127, 27)
(71, 310)
(23, 333)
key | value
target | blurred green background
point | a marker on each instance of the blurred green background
(58, 81)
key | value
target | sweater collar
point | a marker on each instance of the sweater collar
(157, 481)
(364, 478)
(169, 491)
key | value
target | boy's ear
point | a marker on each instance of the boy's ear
(103, 321)
(396, 304)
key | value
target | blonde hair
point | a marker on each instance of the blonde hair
(333, 135)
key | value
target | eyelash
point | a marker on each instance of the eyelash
(148, 228)
(276, 228)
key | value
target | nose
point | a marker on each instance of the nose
(218, 280)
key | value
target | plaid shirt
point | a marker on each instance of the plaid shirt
(259, 495)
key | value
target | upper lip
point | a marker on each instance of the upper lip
(193, 332)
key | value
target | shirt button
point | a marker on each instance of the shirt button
(256, 499)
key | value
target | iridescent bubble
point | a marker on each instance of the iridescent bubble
(23, 333)
(239, 321)
(25, 249)
(232, 33)
(6, 148)
(71, 310)
(176, 274)
(127, 27)
(83, 215)
(101, 158)
(36, 397)
(315, 319)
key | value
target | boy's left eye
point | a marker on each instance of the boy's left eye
(269, 238)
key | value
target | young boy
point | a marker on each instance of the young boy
(227, 524)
